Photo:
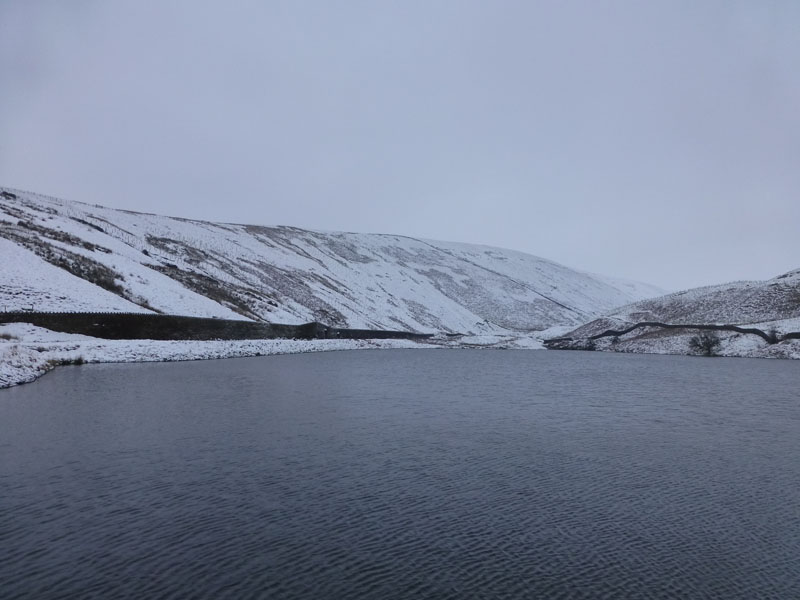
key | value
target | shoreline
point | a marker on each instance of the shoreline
(27, 352)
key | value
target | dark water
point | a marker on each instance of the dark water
(404, 474)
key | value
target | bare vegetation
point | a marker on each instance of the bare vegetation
(234, 297)
(705, 343)
(63, 362)
(77, 264)
(62, 236)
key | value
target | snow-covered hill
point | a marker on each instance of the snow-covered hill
(770, 306)
(63, 255)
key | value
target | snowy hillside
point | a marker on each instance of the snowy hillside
(739, 303)
(62, 255)
(770, 306)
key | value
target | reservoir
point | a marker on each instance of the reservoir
(404, 474)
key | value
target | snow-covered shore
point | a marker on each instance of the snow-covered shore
(732, 344)
(28, 352)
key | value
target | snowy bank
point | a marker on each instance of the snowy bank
(731, 344)
(28, 352)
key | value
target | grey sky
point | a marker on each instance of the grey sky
(651, 140)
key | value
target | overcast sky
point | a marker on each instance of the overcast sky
(657, 141)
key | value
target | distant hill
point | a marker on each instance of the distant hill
(771, 306)
(63, 255)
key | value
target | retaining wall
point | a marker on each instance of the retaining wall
(138, 326)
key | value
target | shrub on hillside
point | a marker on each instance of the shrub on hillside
(706, 343)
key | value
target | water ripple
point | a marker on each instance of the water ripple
(324, 484)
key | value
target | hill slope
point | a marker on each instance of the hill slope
(771, 306)
(74, 256)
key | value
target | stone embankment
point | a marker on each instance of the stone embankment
(138, 326)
